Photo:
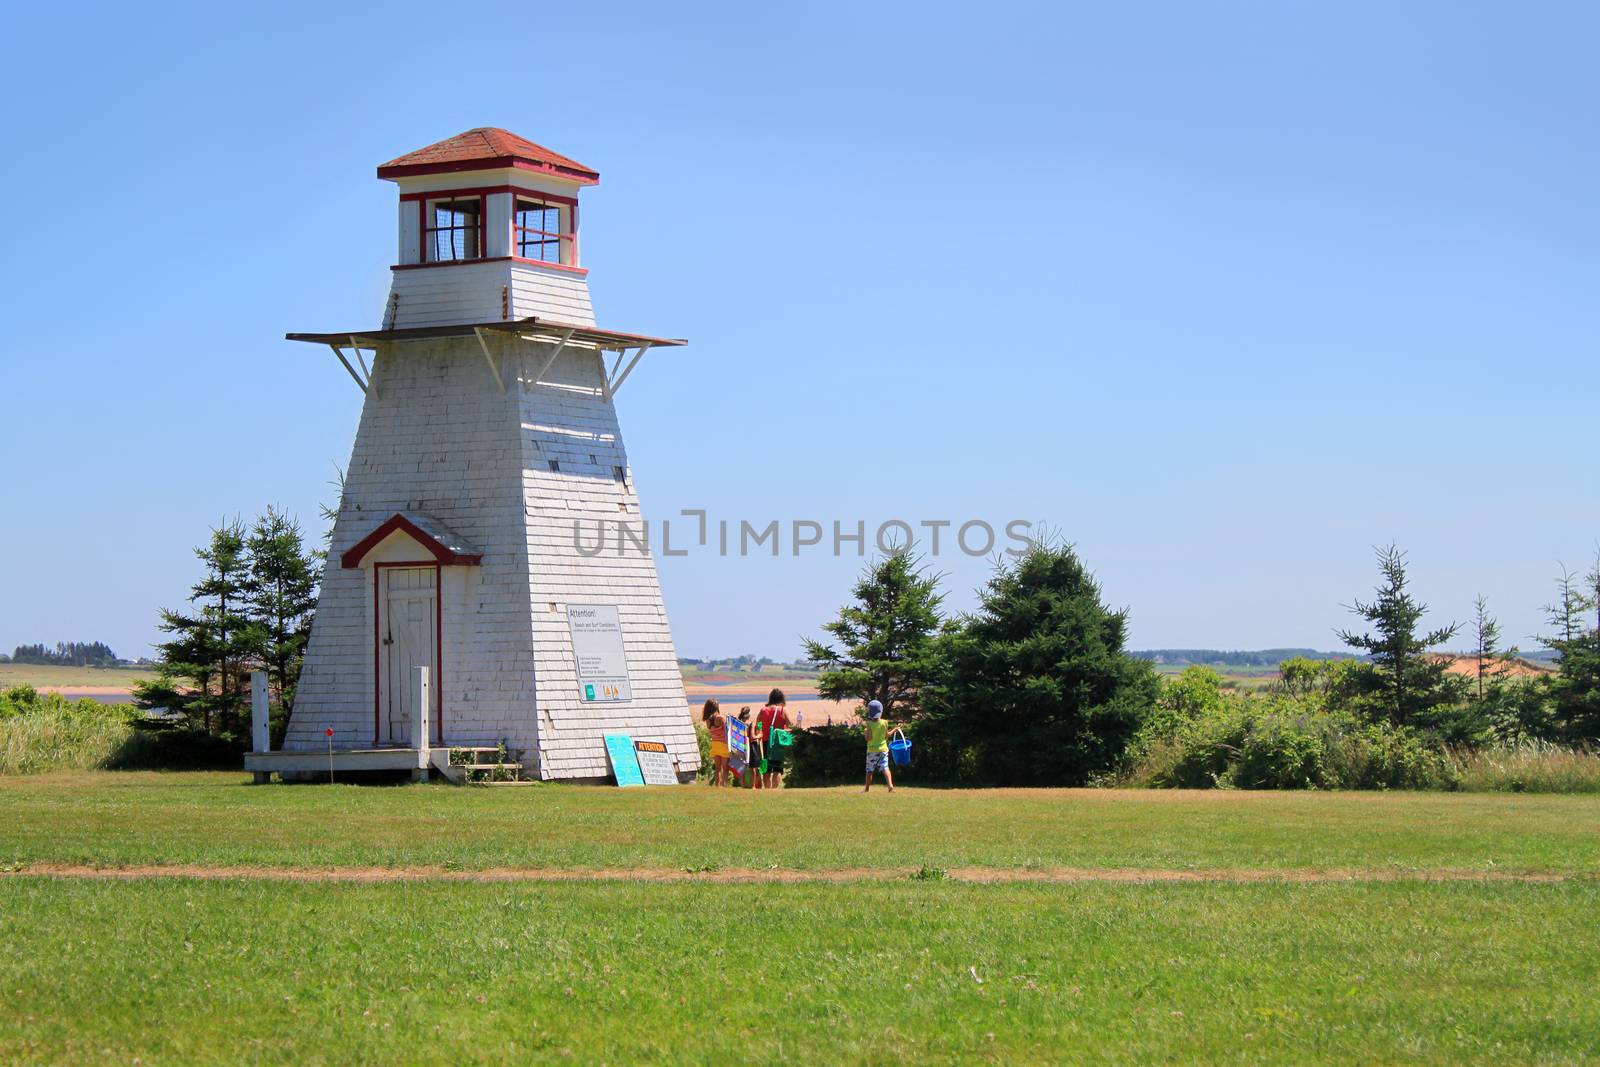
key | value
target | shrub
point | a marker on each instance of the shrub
(702, 737)
(826, 755)
(1253, 741)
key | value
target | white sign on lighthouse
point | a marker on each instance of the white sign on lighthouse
(597, 646)
(488, 430)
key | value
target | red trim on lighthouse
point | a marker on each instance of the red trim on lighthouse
(436, 684)
(440, 552)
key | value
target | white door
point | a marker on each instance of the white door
(406, 641)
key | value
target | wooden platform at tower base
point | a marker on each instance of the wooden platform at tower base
(311, 761)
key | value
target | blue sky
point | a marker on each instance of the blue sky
(1224, 293)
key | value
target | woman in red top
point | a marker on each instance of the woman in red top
(775, 716)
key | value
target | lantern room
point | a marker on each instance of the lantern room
(488, 229)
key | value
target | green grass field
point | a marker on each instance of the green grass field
(1317, 930)
(111, 818)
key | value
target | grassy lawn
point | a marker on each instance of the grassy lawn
(110, 818)
(177, 971)
(619, 969)
(38, 675)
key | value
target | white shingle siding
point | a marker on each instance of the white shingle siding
(488, 291)
(436, 437)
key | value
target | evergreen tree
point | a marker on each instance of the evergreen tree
(280, 596)
(1565, 614)
(1486, 649)
(186, 671)
(887, 647)
(1575, 690)
(1037, 688)
(1411, 687)
(208, 647)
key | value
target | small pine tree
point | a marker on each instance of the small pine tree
(1575, 690)
(887, 648)
(1486, 649)
(1565, 614)
(280, 596)
(208, 647)
(1411, 686)
(186, 670)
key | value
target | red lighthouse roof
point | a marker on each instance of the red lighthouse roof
(486, 148)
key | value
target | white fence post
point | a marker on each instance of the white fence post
(260, 736)
(424, 697)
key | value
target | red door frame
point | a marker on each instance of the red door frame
(437, 683)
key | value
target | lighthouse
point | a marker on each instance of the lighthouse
(458, 609)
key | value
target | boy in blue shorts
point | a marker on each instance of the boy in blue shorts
(877, 745)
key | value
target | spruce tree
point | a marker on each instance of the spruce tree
(210, 646)
(280, 596)
(1575, 689)
(1486, 648)
(1412, 686)
(186, 670)
(887, 647)
(1037, 687)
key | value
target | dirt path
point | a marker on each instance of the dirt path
(1291, 876)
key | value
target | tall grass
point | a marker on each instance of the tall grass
(1527, 767)
(47, 733)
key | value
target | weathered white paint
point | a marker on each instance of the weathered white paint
(422, 698)
(497, 225)
(410, 233)
(406, 612)
(260, 734)
(489, 291)
(438, 438)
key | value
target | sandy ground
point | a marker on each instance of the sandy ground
(1510, 668)
(1124, 875)
(74, 691)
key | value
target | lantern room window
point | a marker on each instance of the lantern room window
(454, 229)
(537, 231)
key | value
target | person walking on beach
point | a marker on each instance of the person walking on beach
(775, 725)
(877, 745)
(712, 716)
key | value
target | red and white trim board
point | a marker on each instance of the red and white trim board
(442, 553)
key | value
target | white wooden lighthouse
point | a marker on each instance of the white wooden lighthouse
(488, 433)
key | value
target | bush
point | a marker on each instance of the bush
(1250, 741)
(826, 755)
(702, 737)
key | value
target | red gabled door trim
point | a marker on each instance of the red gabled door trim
(437, 682)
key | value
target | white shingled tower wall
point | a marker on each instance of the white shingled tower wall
(488, 434)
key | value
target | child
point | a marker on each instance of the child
(711, 715)
(877, 745)
(752, 768)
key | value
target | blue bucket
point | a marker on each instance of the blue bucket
(900, 750)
